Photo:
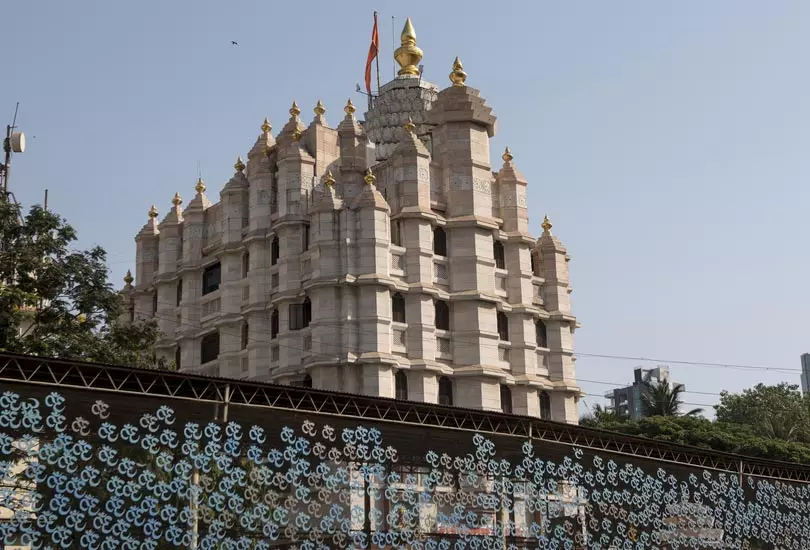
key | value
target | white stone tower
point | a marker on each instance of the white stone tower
(384, 258)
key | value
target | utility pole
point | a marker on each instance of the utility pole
(14, 142)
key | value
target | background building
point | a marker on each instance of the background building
(626, 402)
(383, 257)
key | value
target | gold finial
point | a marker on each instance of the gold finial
(294, 110)
(507, 155)
(153, 212)
(128, 278)
(408, 55)
(546, 225)
(369, 178)
(266, 126)
(177, 200)
(329, 179)
(296, 135)
(410, 127)
(458, 77)
(81, 318)
(349, 108)
(200, 187)
(239, 166)
(319, 108)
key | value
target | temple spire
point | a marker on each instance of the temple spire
(408, 55)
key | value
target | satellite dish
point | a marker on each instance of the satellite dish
(18, 142)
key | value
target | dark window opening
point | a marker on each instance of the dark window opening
(500, 256)
(274, 251)
(533, 259)
(396, 233)
(245, 264)
(398, 308)
(545, 406)
(401, 385)
(179, 291)
(209, 347)
(506, 399)
(442, 315)
(439, 242)
(245, 335)
(541, 334)
(154, 303)
(503, 326)
(300, 315)
(211, 278)
(274, 324)
(306, 237)
(445, 391)
(177, 355)
(307, 381)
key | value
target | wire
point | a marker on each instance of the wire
(689, 363)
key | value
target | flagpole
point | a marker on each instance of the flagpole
(377, 59)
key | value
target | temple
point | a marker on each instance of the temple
(383, 257)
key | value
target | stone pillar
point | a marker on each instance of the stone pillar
(560, 325)
(146, 266)
(167, 281)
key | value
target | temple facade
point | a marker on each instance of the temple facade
(382, 257)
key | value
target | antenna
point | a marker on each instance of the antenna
(13, 143)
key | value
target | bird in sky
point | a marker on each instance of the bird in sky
(234, 42)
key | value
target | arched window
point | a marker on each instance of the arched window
(245, 264)
(307, 381)
(245, 335)
(442, 315)
(274, 324)
(506, 399)
(541, 335)
(179, 291)
(500, 256)
(401, 385)
(503, 327)
(396, 233)
(274, 251)
(545, 405)
(439, 242)
(445, 391)
(209, 347)
(398, 308)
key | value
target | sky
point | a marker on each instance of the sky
(667, 142)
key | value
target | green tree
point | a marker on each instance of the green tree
(777, 412)
(719, 436)
(56, 301)
(598, 416)
(664, 400)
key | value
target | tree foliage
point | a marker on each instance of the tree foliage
(663, 399)
(764, 421)
(56, 301)
(777, 412)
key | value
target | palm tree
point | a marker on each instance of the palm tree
(663, 399)
(598, 416)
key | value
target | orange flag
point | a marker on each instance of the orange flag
(372, 53)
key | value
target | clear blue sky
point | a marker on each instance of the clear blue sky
(668, 141)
